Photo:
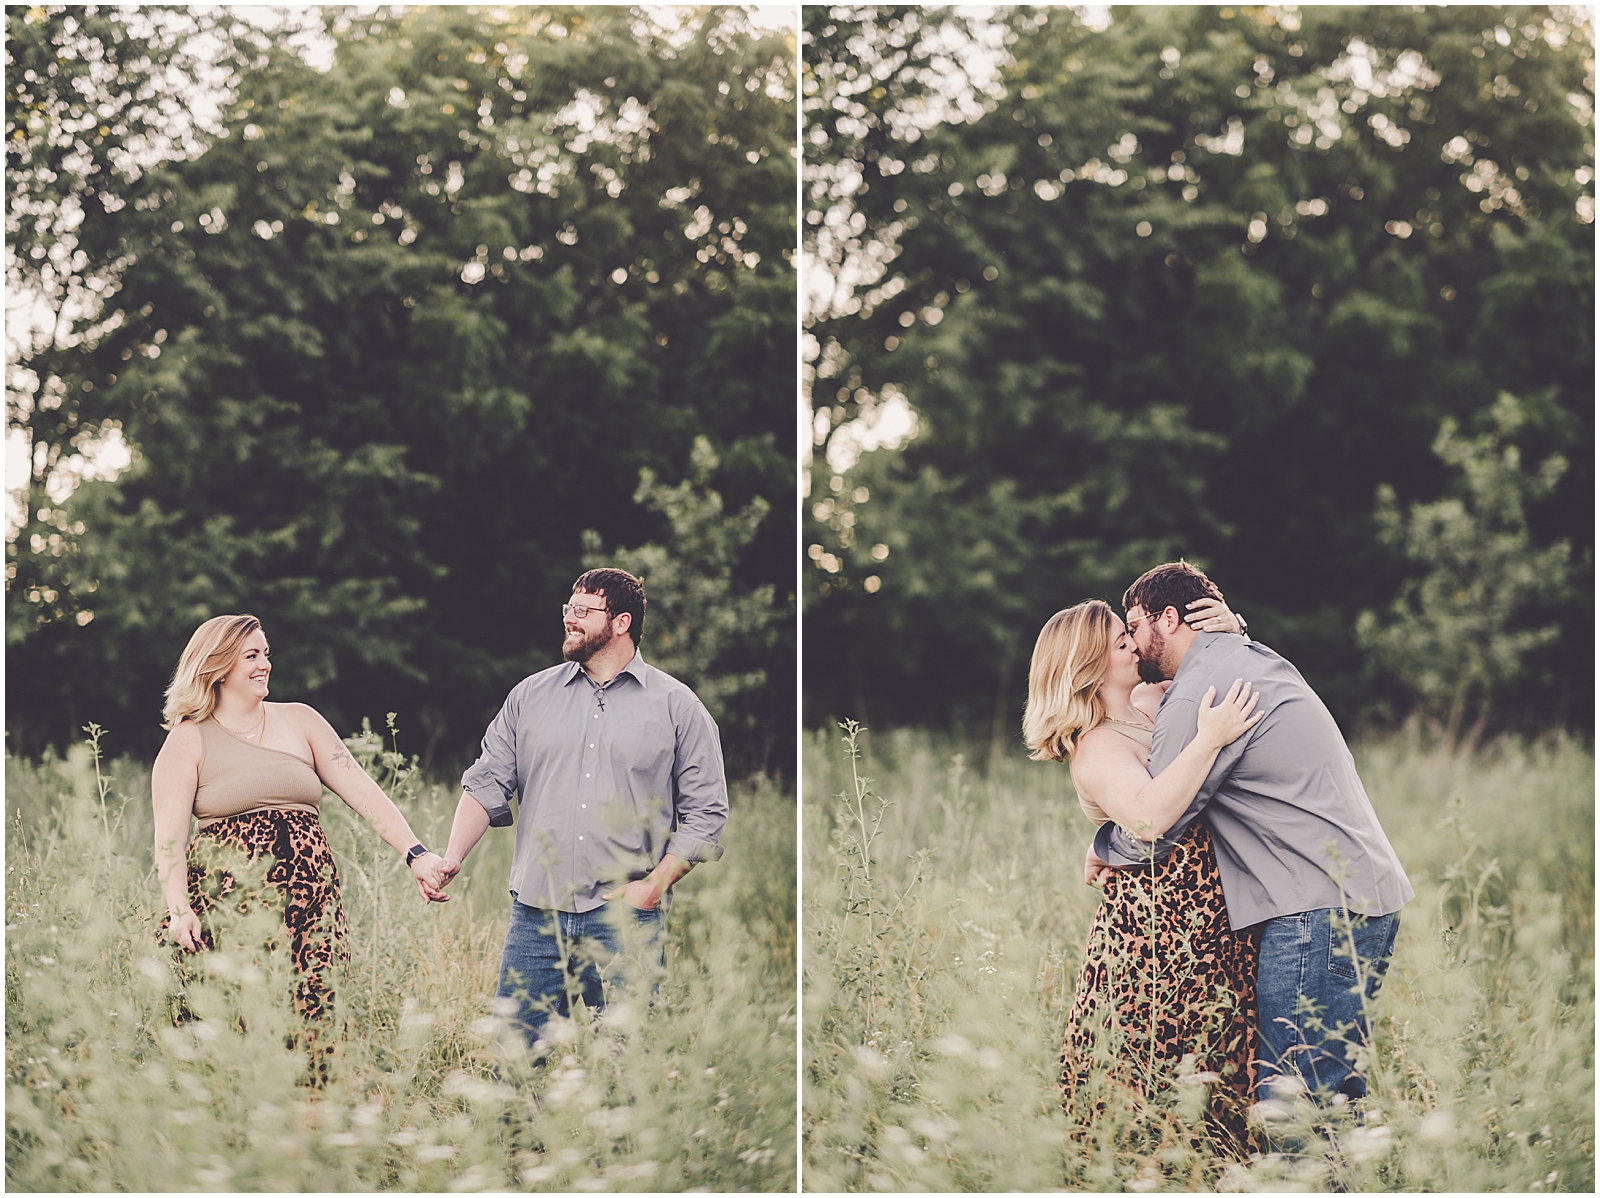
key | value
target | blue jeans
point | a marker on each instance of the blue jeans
(1310, 1014)
(550, 957)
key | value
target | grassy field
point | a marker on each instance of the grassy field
(104, 1091)
(945, 917)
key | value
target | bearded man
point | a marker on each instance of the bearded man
(1306, 868)
(618, 769)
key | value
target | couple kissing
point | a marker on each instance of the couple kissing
(1251, 899)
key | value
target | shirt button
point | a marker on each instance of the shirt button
(585, 806)
(586, 775)
(591, 746)
(580, 838)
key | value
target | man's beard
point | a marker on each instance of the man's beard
(1150, 666)
(589, 645)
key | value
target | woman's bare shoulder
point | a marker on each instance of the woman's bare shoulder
(1102, 734)
(1102, 744)
(183, 741)
(1098, 759)
(302, 715)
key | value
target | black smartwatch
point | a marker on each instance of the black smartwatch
(414, 852)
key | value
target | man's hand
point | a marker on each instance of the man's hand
(1095, 871)
(432, 875)
(640, 893)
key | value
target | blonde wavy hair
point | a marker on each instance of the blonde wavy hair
(1070, 660)
(206, 659)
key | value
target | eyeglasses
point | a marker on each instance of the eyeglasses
(578, 611)
(1133, 622)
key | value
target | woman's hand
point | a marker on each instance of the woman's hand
(184, 927)
(1212, 615)
(1230, 719)
(432, 874)
(1095, 871)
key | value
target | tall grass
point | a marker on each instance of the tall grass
(132, 1067)
(945, 919)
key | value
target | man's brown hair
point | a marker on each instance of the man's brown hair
(1174, 584)
(623, 592)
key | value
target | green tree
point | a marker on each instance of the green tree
(1460, 633)
(406, 328)
(702, 626)
(92, 106)
(1193, 283)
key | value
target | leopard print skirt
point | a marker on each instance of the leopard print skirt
(1164, 979)
(300, 868)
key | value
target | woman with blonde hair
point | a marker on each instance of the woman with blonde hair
(251, 773)
(1164, 977)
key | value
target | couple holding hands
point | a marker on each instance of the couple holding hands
(618, 768)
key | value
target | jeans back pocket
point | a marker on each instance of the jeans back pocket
(1373, 936)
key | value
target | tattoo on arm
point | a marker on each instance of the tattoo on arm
(360, 803)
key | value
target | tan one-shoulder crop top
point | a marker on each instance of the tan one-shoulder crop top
(237, 777)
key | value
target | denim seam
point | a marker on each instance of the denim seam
(1336, 963)
(1305, 962)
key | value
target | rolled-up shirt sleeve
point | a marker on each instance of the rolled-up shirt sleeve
(700, 801)
(492, 778)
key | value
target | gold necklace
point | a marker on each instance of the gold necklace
(260, 728)
(1141, 727)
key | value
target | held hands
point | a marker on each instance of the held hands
(1212, 615)
(432, 874)
(1230, 719)
(640, 893)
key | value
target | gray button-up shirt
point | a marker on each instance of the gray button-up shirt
(1288, 815)
(611, 779)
